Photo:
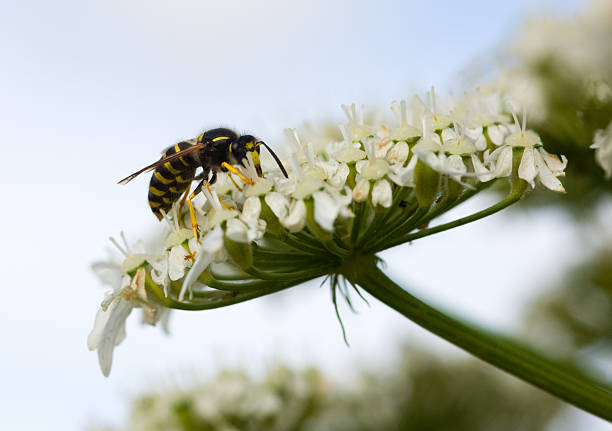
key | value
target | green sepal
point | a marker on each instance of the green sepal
(240, 252)
(427, 183)
(351, 178)
(452, 189)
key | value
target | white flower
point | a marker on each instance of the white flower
(602, 143)
(482, 173)
(438, 121)
(250, 216)
(109, 326)
(291, 216)
(326, 209)
(501, 161)
(278, 203)
(456, 143)
(372, 169)
(398, 154)
(261, 187)
(535, 161)
(343, 198)
(382, 194)
(401, 175)
(533, 165)
(430, 143)
(336, 173)
(211, 245)
(170, 266)
(455, 167)
(177, 261)
(358, 130)
(237, 230)
(296, 219)
(405, 131)
(497, 133)
(345, 151)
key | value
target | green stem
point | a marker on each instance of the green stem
(559, 379)
(514, 196)
(292, 276)
(212, 299)
(382, 216)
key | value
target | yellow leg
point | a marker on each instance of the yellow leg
(236, 172)
(194, 220)
(229, 174)
(182, 204)
(225, 204)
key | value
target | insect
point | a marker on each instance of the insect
(216, 150)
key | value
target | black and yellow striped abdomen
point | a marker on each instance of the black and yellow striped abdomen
(170, 180)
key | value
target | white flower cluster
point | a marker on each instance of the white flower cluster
(472, 143)
(578, 45)
(556, 51)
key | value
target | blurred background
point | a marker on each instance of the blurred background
(92, 91)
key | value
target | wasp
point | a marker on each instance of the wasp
(216, 150)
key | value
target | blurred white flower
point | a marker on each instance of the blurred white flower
(602, 143)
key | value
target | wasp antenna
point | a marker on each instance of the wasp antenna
(278, 162)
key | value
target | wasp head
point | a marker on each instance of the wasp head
(248, 143)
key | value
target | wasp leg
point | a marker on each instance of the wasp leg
(194, 220)
(236, 172)
(225, 204)
(229, 174)
(182, 204)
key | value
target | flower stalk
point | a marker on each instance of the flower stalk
(560, 379)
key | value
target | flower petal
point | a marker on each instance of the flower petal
(527, 169)
(398, 154)
(177, 262)
(251, 210)
(278, 203)
(382, 194)
(556, 165)
(546, 177)
(483, 173)
(497, 133)
(236, 230)
(503, 163)
(480, 143)
(113, 332)
(326, 210)
(296, 219)
(212, 244)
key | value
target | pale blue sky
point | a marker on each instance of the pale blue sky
(91, 91)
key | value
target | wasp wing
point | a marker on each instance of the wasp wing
(162, 161)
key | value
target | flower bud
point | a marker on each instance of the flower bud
(361, 190)
(382, 194)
